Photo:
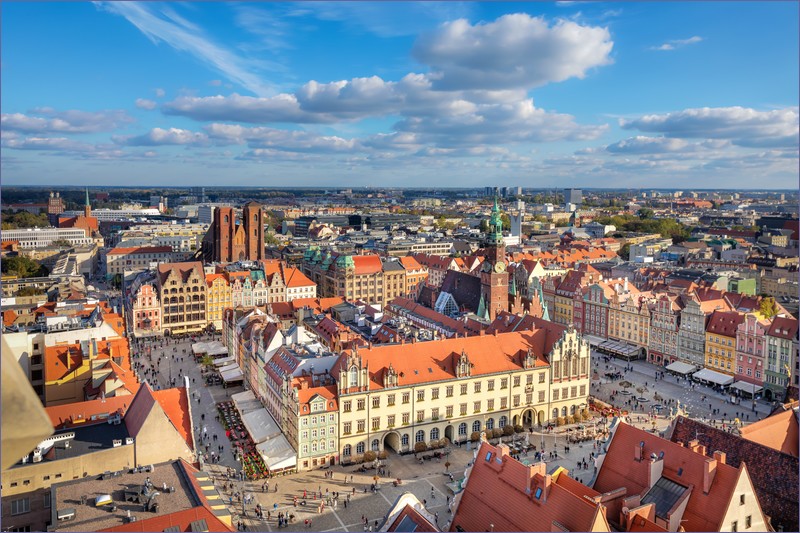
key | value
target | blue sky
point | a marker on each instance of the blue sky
(589, 94)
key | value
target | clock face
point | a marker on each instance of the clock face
(500, 267)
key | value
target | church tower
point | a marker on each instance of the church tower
(494, 277)
(87, 208)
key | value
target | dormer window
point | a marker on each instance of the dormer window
(354, 377)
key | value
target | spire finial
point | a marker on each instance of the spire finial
(87, 197)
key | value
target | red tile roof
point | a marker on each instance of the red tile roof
(502, 491)
(620, 468)
(783, 327)
(423, 362)
(367, 264)
(175, 403)
(182, 519)
(293, 277)
(724, 323)
(81, 413)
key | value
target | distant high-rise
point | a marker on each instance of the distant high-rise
(573, 196)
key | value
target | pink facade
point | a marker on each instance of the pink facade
(595, 312)
(146, 309)
(751, 349)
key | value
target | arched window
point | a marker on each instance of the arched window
(572, 410)
(404, 439)
(354, 377)
(348, 450)
(555, 413)
(375, 445)
(420, 436)
(476, 426)
(564, 411)
(462, 428)
(226, 219)
(360, 447)
(490, 423)
(503, 421)
(435, 434)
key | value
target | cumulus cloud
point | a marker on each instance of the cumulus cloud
(515, 51)
(144, 103)
(50, 120)
(162, 137)
(676, 43)
(160, 92)
(662, 145)
(742, 126)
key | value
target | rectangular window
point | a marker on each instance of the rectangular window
(516, 381)
(529, 398)
(734, 526)
(449, 411)
(390, 421)
(541, 396)
(741, 499)
(362, 425)
(573, 391)
(529, 379)
(361, 405)
(347, 406)
(476, 407)
(555, 395)
(541, 377)
(583, 390)
(748, 521)
(347, 427)
(390, 400)
(420, 415)
(503, 403)
(435, 413)
(406, 418)
(376, 402)
(406, 397)
(376, 423)
(47, 501)
(462, 409)
(463, 389)
(516, 400)
(449, 391)
(476, 387)
(490, 405)
(504, 383)
(21, 506)
(420, 395)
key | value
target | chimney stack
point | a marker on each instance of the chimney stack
(719, 457)
(709, 471)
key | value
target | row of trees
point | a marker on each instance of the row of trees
(644, 223)
(22, 267)
(24, 219)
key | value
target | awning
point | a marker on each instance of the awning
(260, 425)
(233, 375)
(246, 402)
(212, 348)
(228, 368)
(680, 367)
(224, 361)
(713, 377)
(749, 388)
(594, 340)
(278, 454)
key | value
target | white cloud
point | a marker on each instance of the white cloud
(144, 103)
(160, 92)
(515, 51)
(662, 145)
(742, 126)
(161, 137)
(72, 121)
(165, 25)
(677, 43)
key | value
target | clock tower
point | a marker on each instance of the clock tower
(494, 277)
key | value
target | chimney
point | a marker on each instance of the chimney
(495, 332)
(719, 457)
(483, 332)
(701, 449)
(709, 470)
(638, 451)
(654, 471)
(693, 444)
(502, 449)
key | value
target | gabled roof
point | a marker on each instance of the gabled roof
(140, 250)
(724, 323)
(464, 287)
(620, 468)
(175, 403)
(182, 270)
(503, 492)
(783, 327)
(86, 413)
(773, 472)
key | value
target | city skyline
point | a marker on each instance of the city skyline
(539, 95)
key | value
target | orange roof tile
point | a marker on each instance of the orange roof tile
(175, 403)
(367, 264)
(778, 431)
(81, 413)
(140, 250)
(304, 395)
(181, 519)
(293, 277)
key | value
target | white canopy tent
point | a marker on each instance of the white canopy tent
(680, 367)
(711, 376)
(224, 361)
(212, 348)
(228, 368)
(233, 375)
(246, 402)
(749, 388)
(260, 425)
(277, 453)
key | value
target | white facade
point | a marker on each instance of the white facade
(41, 237)
(116, 214)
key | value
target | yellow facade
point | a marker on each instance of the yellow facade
(219, 298)
(720, 353)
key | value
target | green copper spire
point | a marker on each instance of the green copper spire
(87, 197)
(495, 225)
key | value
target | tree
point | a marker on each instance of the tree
(61, 243)
(383, 454)
(29, 291)
(23, 267)
(420, 447)
(767, 307)
(475, 436)
(518, 428)
(645, 213)
(497, 433)
(506, 222)
(484, 226)
(24, 219)
(625, 251)
(508, 430)
(369, 456)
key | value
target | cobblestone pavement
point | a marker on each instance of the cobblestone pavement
(428, 481)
